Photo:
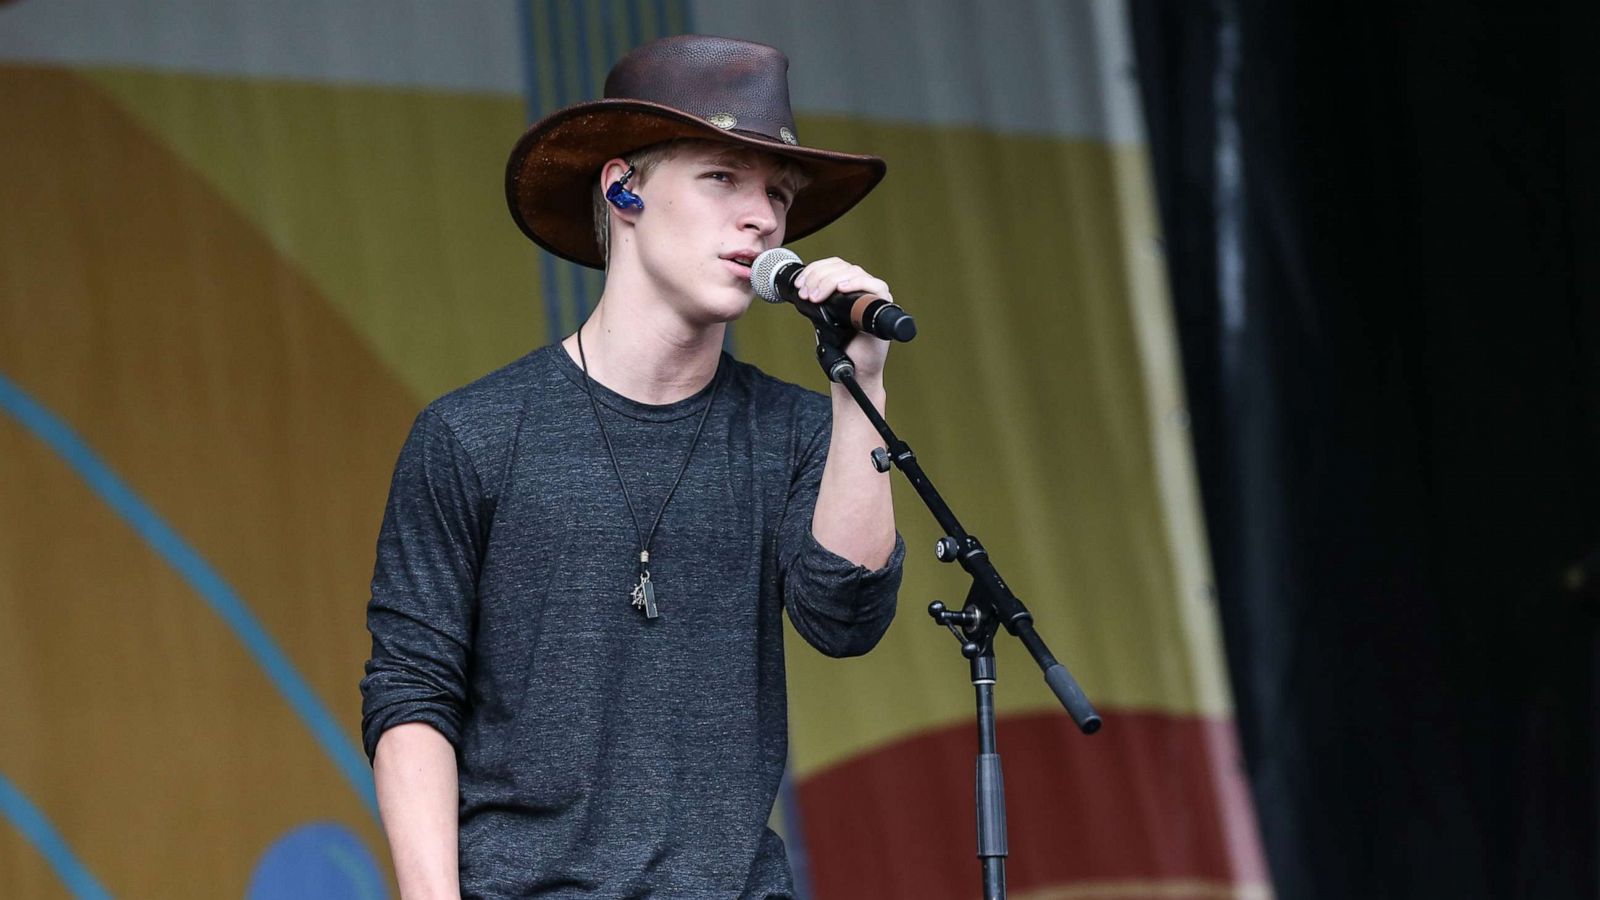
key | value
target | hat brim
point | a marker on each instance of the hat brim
(551, 175)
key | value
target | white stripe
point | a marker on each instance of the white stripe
(459, 45)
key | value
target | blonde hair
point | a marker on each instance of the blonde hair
(791, 174)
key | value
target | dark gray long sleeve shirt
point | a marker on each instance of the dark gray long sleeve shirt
(601, 754)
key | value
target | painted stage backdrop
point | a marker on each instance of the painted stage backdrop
(242, 244)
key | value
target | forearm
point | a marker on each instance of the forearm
(415, 772)
(854, 517)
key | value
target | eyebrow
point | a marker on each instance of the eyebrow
(789, 176)
(732, 158)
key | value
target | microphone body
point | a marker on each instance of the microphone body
(773, 275)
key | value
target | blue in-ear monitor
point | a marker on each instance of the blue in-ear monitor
(620, 196)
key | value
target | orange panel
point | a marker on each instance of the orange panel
(213, 379)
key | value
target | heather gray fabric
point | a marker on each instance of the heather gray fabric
(601, 754)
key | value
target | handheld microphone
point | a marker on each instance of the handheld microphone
(773, 274)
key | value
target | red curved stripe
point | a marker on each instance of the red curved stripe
(1151, 797)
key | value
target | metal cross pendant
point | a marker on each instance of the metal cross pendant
(644, 593)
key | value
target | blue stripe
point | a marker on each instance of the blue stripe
(634, 16)
(349, 759)
(562, 275)
(44, 837)
(608, 29)
(530, 73)
(686, 13)
(615, 37)
(536, 111)
(559, 71)
(581, 48)
(580, 18)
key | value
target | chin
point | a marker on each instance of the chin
(726, 310)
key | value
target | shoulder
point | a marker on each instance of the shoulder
(780, 413)
(484, 416)
(774, 398)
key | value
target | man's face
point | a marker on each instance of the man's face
(708, 212)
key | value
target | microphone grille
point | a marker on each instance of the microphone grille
(764, 272)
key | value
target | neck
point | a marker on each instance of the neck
(646, 353)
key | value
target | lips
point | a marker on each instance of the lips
(740, 261)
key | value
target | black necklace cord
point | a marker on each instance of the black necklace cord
(644, 541)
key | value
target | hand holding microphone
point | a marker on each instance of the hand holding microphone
(773, 276)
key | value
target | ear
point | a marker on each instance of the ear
(612, 170)
(623, 207)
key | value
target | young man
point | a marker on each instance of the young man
(577, 663)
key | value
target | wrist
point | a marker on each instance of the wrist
(872, 386)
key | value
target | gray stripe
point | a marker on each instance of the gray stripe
(1055, 67)
(459, 46)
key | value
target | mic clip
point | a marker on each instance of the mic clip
(835, 363)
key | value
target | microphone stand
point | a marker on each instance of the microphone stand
(989, 605)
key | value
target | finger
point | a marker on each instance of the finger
(867, 282)
(811, 277)
(824, 283)
(859, 281)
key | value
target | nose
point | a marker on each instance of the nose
(757, 214)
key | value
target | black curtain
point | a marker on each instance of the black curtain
(1382, 236)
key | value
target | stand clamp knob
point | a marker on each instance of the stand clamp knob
(946, 549)
(880, 459)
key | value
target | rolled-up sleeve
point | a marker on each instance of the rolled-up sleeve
(422, 609)
(840, 608)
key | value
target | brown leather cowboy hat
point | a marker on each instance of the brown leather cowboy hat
(685, 86)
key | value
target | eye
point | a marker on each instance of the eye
(720, 175)
(779, 195)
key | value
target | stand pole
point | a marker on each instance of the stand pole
(990, 604)
(991, 797)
